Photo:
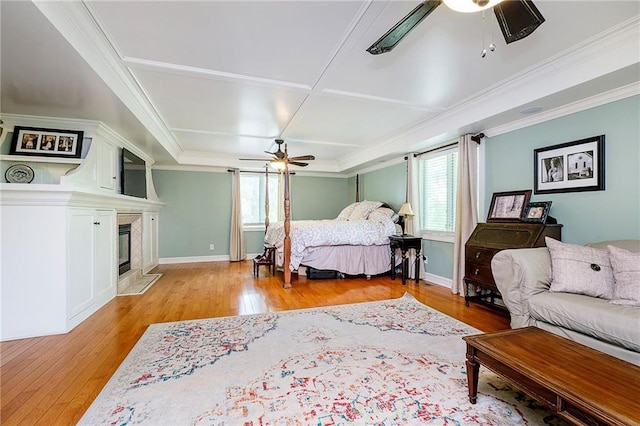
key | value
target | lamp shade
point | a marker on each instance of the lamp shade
(406, 210)
(469, 6)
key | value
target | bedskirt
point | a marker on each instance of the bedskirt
(348, 259)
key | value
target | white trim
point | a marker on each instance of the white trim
(582, 105)
(194, 259)
(445, 237)
(437, 279)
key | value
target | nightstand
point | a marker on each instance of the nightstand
(405, 243)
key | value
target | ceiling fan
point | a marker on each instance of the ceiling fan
(517, 19)
(280, 157)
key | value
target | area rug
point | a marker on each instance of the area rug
(393, 362)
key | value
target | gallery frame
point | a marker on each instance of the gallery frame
(569, 167)
(536, 212)
(46, 142)
(508, 206)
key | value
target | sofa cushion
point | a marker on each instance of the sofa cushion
(626, 271)
(579, 269)
(615, 324)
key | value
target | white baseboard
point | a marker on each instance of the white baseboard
(198, 259)
(436, 279)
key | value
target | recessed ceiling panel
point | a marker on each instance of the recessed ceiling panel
(439, 63)
(205, 104)
(281, 40)
(351, 121)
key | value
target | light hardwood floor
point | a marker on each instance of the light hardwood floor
(52, 380)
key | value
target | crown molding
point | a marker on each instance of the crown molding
(582, 105)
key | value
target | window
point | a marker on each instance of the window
(438, 174)
(252, 190)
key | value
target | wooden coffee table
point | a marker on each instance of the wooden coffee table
(581, 384)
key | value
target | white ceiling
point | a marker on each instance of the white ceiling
(209, 82)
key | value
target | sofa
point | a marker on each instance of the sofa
(587, 294)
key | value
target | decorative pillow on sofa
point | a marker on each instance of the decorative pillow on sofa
(346, 212)
(362, 210)
(626, 272)
(579, 269)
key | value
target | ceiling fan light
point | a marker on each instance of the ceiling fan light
(278, 165)
(469, 6)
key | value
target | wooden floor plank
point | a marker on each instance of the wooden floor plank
(53, 379)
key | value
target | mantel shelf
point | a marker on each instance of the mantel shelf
(33, 159)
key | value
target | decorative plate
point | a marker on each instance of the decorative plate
(19, 173)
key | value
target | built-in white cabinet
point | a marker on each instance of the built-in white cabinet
(107, 166)
(92, 260)
(150, 227)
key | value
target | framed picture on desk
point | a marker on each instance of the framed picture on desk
(508, 206)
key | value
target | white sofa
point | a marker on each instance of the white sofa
(524, 276)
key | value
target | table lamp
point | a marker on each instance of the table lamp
(407, 212)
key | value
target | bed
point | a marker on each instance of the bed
(355, 243)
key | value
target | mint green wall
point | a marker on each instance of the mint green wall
(318, 197)
(197, 210)
(587, 216)
(388, 184)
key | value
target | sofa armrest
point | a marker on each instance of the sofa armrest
(520, 274)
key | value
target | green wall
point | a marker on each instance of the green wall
(197, 210)
(587, 216)
(318, 197)
(388, 184)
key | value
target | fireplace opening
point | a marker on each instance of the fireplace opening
(124, 248)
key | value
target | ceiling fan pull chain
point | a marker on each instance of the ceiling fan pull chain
(484, 51)
(492, 46)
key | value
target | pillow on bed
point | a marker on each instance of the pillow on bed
(390, 213)
(346, 212)
(363, 209)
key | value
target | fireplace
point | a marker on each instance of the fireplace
(124, 248)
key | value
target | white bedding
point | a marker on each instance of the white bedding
(306, 234)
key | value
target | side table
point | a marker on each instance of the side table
(405, 242)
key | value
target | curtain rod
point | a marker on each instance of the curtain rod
(255, 171)
(476, 138)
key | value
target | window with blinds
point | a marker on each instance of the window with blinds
(438, 174)
(253, 193)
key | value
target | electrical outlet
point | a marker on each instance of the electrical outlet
(212, 246)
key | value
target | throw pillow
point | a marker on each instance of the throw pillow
(626, 272)
(362, 210)
(346, 212)
(579, 269)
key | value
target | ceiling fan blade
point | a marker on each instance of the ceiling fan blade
(255, 159)
(297, 163)
(392, 37)
(517, 19)
(302, 158)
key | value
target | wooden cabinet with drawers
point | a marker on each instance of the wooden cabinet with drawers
(488, 239)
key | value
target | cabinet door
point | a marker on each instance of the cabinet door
(105, 255)
(81, 235)
(150, 240)
(107, 166)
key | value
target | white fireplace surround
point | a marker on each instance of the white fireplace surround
(135, 220)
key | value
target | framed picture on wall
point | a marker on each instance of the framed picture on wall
(569, 167)
(508, 206)
(46, 142)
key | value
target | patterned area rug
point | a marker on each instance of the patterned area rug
(394, 362)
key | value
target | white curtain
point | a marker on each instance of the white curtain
(413, 225)
(237, 249)
(466, 206)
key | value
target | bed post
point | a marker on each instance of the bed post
(287, 223)
(357, 188)
(266, 197)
